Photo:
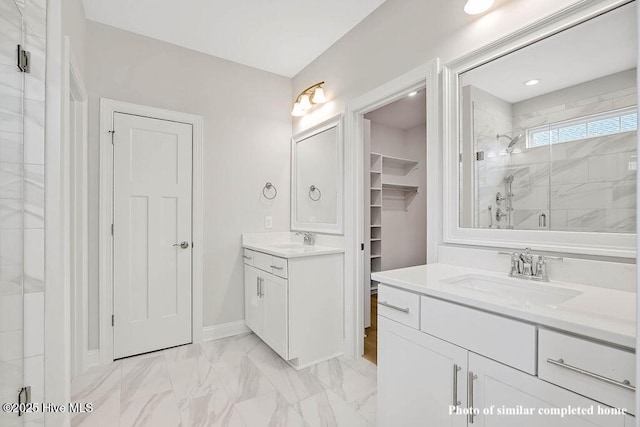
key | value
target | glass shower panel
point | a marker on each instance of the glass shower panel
(11, 211)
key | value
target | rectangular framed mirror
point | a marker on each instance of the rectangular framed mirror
(317, 178)
(541, 136)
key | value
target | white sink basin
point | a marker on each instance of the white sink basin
(291, 247)
(513, 292)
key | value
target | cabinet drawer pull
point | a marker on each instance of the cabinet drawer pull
(456, 369)
(470, 378)
(395, 307)
(247, 257)
(276, 267)
(624, 384)
(258, 286)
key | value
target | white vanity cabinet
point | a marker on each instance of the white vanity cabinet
(474, 359)
(295, 304)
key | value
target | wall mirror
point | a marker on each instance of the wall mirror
(317, 178)
(545, 135)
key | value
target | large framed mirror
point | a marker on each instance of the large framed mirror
(541, 139)
(317, 162)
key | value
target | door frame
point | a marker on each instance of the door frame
(105, 265)
(75, 110)
(424, 76)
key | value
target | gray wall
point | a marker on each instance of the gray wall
(247, 130)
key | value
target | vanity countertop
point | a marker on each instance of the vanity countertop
(291, 249)
(603, 314)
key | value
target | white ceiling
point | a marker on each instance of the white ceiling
(594, 49)
(405, 113)
(280, 36)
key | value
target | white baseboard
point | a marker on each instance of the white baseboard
(225, 330)
(93, 358)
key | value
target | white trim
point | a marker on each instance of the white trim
(92, 358)
(107, 108)
(336, 228)
(224, 330)
(600, 244)
(75, 106)
(423, 76)
(57, 376)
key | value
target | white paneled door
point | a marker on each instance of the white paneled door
(152, 234)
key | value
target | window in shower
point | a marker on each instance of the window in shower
(592, 126)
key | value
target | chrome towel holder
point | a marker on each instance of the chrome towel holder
(267, 187)
(312, 190)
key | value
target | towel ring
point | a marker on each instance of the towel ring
(312, 190)
(268, 186)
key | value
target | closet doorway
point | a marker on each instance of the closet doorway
(395, 217)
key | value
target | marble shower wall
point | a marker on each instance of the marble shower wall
(584, 185)
(22, 204)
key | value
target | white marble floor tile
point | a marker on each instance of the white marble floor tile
(143, 377)
(291, 384)
(271, 410)
(344, 381)
(215, 409)
(234, 382)
(157, 410)
(328, 410)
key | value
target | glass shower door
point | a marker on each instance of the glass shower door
(12, 364)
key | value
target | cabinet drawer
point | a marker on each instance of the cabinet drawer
(499, 338)
(591, 369)
(262, 261)
(248, 256)
(279, 266)
(398, 305)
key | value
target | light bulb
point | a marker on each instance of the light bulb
(475, 7)
(305, 103)
(297, 110)
(318, 96)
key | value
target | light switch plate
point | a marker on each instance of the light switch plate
(268, 222)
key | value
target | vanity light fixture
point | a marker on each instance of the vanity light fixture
(308, 98)
(476, 7)
(531, 82)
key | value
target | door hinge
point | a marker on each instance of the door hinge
(112, 229)
(24, 60)
(112, 132)
(112, 320)
(24, 398)
(362, 246)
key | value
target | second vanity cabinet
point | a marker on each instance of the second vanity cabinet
(295, 304)
(460, 357)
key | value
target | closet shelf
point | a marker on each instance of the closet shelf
(376, 206)
(376, 240)
(400, 187)
(396, 164)
(376, 256)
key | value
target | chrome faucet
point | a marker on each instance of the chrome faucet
(309, 238)
(529, 266)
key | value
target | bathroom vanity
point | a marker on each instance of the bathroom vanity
(477, 343)
(294, 298)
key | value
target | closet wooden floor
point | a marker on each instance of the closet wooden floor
(371, 340)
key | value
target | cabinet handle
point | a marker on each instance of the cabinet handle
(456, 369)
(624, 384)
(470, 379)
(261, 290)
(258, 286)
(247, 257)
(276, 267)
(395, 307)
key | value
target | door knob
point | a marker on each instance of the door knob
(183, 245)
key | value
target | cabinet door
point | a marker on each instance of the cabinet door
(252, 300)
(417, 378)
(276, 311)
(498, 387)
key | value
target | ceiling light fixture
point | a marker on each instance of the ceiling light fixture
(531, 82)
(476, 7)
(308, 98)
(414, 93)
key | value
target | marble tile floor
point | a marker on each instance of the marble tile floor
(237, 382)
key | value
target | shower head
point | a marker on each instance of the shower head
(508, 179)
(512, 141)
